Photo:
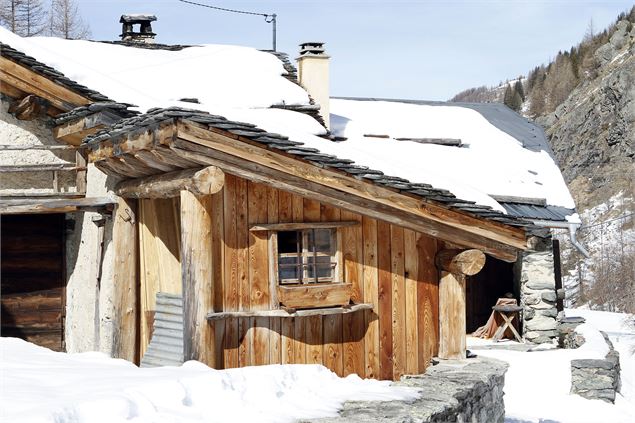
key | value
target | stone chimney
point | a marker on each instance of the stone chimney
(313, 75)
(144, 35)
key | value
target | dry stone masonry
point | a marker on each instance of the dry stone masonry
(538, 296)
(597, 379)
(453, 391)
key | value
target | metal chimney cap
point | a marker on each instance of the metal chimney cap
(312, 49)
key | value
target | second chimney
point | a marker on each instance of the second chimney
(144, 35)
(313, 75)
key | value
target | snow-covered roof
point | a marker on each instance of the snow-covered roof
(242, 84)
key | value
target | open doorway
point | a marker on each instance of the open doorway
(483, 289)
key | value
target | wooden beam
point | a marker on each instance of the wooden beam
(196, 277)
(13, 147)
(289, 312)
(28, 108)
(205, 181)
(69, 205)
(466, 262)
(337, 198)
(244, 148)
(452, 325)
(125, 281)
(25, 79)
(40, 167)
(300, 226)
(74, 131)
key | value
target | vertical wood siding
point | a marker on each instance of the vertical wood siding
(388, 266)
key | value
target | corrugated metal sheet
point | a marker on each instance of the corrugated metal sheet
(530, 211)
(166, 345)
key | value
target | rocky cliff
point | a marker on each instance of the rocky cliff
(593, 132)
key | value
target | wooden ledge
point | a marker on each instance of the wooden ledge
(300, 226)
(291, 313)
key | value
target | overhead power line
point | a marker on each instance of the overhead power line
(269, 18)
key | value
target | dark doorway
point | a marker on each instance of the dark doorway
(33, 278)
(483, 289)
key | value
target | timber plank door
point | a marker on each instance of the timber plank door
(32, 274)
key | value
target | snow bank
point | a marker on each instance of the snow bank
(39, 385)
(537, 383)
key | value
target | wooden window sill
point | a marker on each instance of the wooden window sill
(300, 226)
(290, 313)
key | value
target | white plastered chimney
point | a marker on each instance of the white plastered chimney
(313, 75)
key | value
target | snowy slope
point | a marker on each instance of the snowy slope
(242, 84)
(39, 385)
(537, 383)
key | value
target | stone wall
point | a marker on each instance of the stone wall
(538, 295)
(595, 378)
(454, 391)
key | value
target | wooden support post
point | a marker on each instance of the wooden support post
(454, 266)
(206, 181)
(196, 277)
(125, 281)
(80, 177)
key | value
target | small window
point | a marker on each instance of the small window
(307, 256)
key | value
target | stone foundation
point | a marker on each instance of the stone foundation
(567, 336)
(454, 391)
(597, 379)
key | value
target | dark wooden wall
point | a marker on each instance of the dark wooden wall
(389, 266)
(33, 280)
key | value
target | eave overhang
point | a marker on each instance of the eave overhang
(182, 142)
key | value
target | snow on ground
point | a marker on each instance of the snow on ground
(537, 383)
(39, 385)
(241, 84)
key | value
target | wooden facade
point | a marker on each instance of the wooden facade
(390, 267)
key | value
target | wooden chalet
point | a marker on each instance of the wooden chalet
(280, 253)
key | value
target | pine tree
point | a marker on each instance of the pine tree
(65, 21)
(518, 88)
(508, 96)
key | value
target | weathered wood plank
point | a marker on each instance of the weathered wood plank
(125, 280)
(371, 295)
(427, 301)
(197, 275)
(398, 301)
(275, 332)
(315, 295)
(287, 326)
(301, 225)
(411, 272)
(230, 279)
(289, 315)
(218, 270)
(384, 261)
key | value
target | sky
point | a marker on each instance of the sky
(417, 49)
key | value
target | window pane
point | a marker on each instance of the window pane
(288, 241)
(322, 240)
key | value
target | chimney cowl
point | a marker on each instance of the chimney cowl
(144, 35)
(314, 48)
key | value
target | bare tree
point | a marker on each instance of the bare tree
(34, 17)
(66, 22)
(10, 15)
